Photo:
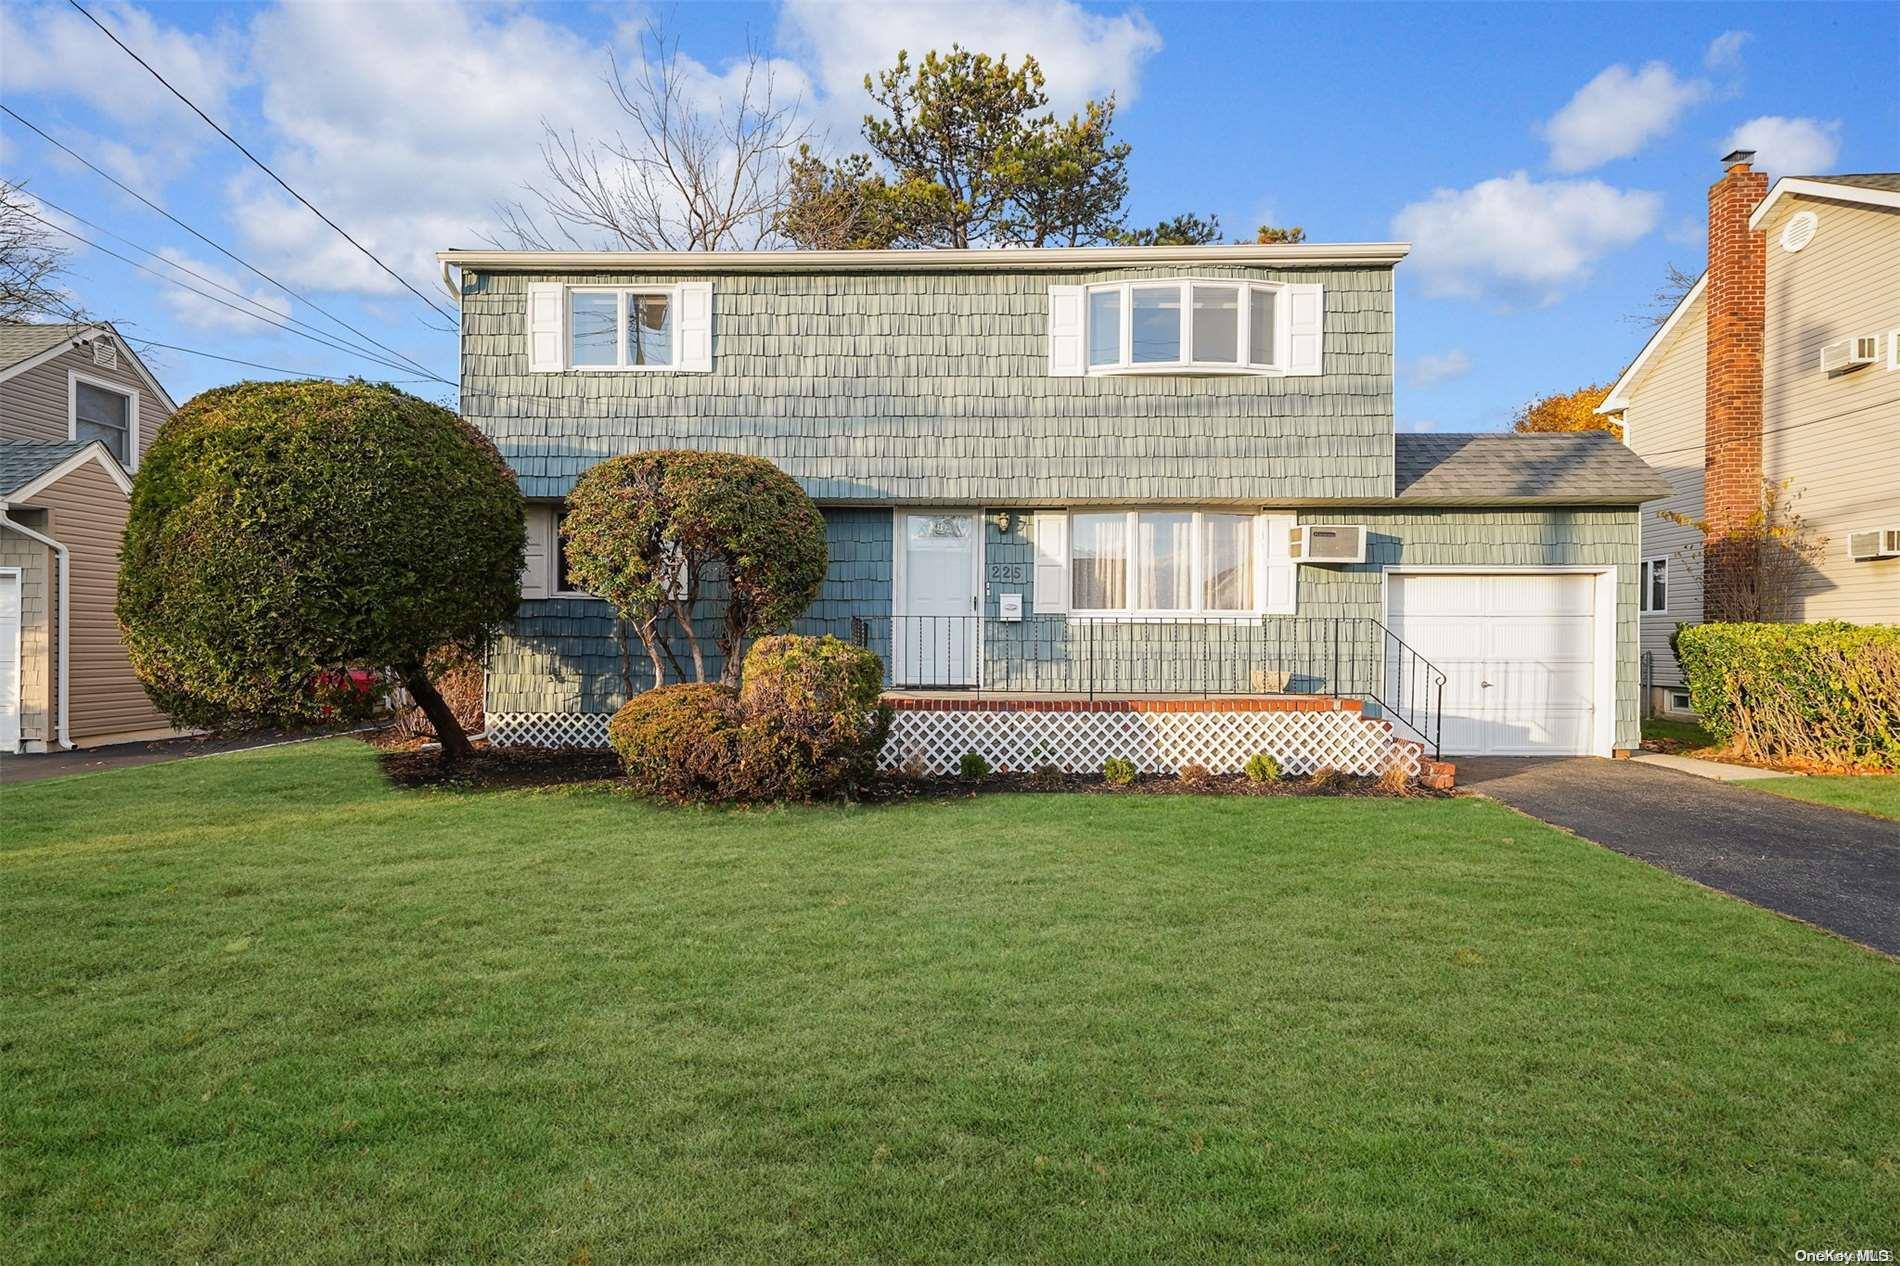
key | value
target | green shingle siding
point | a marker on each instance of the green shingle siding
(934, 388)
(561, 655)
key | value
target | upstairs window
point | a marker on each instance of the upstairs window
(104, 413)
(1184, 325)
(620, 329)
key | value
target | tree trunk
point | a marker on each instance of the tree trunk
(448, 731)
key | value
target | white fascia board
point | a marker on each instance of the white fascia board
(1617, 400)
(96, 451)
(994, 259)
(1792, 186)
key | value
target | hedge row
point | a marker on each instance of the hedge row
(1819, 694)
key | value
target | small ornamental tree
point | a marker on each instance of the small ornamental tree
(654, 533)
(286, 536)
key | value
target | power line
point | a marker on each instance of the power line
(1766, 431)
(275, 369)
(214, 245)
(314, 338)
(263, 167)
(209, 281)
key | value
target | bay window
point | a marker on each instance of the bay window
(1162, 562)
(1190, 324)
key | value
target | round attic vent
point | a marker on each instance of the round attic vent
(1799, 231)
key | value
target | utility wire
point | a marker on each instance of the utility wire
(203, 294)
(1766, 431)
(214, 245)
(209, 281)
(263, 167)
(275, 369)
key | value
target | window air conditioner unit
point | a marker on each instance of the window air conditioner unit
(1329, 543)
(1850, 353)
(1865, 547)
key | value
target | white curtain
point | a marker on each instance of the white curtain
(1165, 552)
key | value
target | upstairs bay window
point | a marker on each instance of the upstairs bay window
(1188, 325)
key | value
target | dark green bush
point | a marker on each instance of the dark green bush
(1824, 695)
(973, 767)
(284, 534)
(1118, 770)
(814, 720)
(679, 742)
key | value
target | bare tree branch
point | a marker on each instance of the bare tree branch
(31, 263)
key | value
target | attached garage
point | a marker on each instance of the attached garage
(1528, 655)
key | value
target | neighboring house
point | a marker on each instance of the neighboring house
(1781, 365)
(1058, 476)
(76, 409)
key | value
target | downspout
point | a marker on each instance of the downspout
(65, 608)
(448, 284)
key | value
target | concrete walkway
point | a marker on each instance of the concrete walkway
(1830, 867)
(1721, 771)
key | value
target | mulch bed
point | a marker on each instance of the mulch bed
(515, 768)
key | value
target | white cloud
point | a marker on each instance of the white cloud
(1429, 371)
(1725, 50)
(1417, 426)
(209, 314)
(1788, 147)
(1082, 54)
(1515, 239)
(1617, 113)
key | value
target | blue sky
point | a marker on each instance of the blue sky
(1548, 161)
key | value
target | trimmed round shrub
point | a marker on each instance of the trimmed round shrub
(679, 743)
(973, 767)
(1118, 770)
(287, 536)
(1262, 767)
(814, 721)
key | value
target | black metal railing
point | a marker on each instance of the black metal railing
(1346, 656)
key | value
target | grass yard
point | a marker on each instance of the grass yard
(264, 1008)
(1688, 733)
(1878, 794)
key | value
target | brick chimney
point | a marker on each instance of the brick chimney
(1737, 294)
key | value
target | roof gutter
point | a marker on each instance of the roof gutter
(997, 259)
(65, 610)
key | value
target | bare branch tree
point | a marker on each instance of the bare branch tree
(1675, 286)
(680, 177)
(31, 262)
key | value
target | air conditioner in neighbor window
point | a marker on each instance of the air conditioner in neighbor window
(1850, 353)
(1864, 547)
(1328, 543)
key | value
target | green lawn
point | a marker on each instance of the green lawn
(262, 1008)
(1878, 794)
(1688, 733)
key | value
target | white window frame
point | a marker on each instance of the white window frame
(1893, 349)
(1648, 573)
(1671, 693)
(73, 378)
(1185, 363)
(620, 366)
(1197, 569)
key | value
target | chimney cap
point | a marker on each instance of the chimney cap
(1741, 157)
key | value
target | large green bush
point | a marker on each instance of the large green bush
(808, 724)
(1816, 694)
(284, 534)
(654, 532)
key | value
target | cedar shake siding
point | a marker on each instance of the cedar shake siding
(934, 388)
(86, 513)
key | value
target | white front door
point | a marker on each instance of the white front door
(1519, 654)
(10, 662)
(935, 617)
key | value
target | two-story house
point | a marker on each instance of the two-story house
(77, 407)
(1103, 481)
(1779, 370)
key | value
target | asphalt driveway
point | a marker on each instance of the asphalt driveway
(1830, 867)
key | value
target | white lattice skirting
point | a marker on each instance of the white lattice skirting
(1157, 742)
(1074, 741)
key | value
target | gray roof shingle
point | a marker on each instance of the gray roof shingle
(1887, 180)
(23, 340)
(1580, 468)
(22, 461)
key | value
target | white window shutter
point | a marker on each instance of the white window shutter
(537, 560)
(1279, 574)
(1306, 328)
(547, 349)
(695, 326)
(1065, 333)
(1052, 563)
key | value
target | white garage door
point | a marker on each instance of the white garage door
(10, 662)
(1518, 651)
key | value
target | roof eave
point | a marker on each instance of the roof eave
(1000, 259)
(1789, 186)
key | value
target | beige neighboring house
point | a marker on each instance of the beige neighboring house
(1782, 364)
(76, 409)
